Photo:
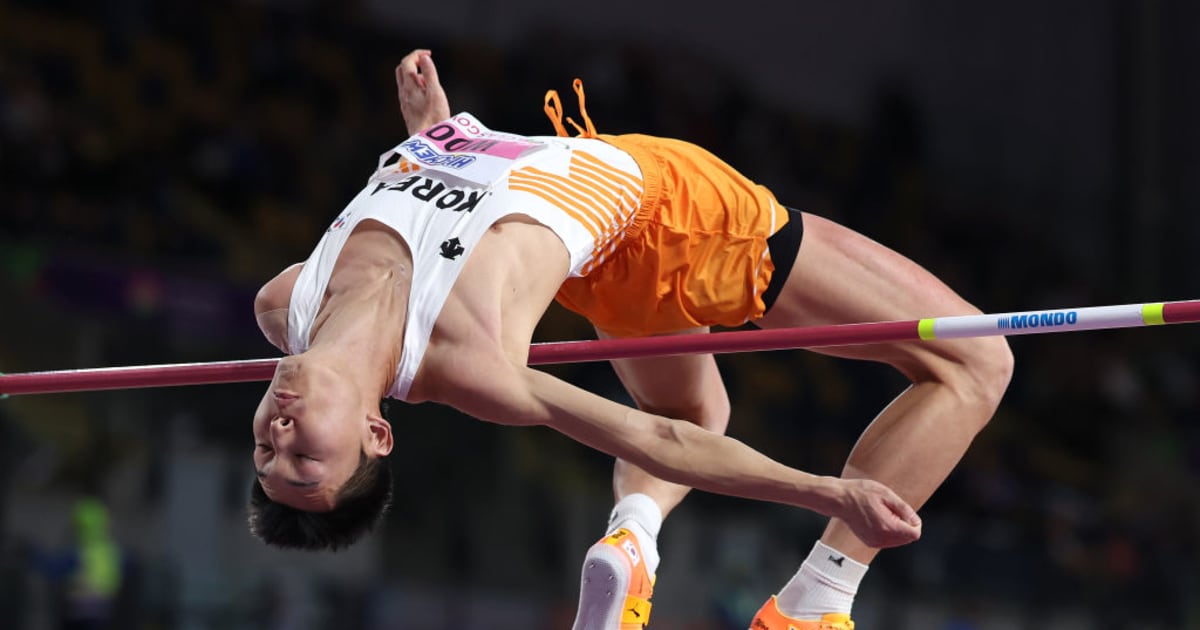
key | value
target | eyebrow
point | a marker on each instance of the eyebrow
(291, 482)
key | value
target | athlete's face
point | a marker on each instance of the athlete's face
(310, 430)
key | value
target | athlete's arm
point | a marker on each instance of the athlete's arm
(271, 306)
(679, 451)
(423, 102)
(688, 387)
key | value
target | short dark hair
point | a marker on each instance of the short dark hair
(359, 506)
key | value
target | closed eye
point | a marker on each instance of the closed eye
(267, 448)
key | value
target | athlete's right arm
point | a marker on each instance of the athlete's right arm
(423, 102)
(679, 451)
(271, 306)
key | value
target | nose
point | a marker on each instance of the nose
(280, 428)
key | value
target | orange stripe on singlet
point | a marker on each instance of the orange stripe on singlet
(601, 185)
(626, 190)
(600, 256)
(609, 208)
(579, 158)
(565, 195)
(624, 193)
(612, 237)
(617, 216)
(601, 198)
(595, 195)
(587, 224)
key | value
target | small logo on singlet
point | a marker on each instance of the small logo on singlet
(398, 164)
(452, 249)
(339, 223)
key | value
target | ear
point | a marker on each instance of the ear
(381, 435)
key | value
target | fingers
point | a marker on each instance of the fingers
(428, 71)
(407, 70)
(905, 525)
(881, 518)
(903, 510)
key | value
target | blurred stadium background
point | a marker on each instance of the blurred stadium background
(159, 161)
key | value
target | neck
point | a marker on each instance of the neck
(360, 329)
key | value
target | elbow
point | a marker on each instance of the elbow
(491, 389)
(663, 450)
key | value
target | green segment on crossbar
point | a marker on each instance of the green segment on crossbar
(1152, 314)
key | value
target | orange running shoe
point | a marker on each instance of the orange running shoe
(615, 588)
(769, 618)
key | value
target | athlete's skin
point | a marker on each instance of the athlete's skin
(322, 408)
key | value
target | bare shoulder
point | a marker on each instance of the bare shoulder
(271, 306)
(277, 292)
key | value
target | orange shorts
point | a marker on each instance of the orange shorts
(695, 255)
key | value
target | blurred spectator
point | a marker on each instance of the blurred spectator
(88, 575)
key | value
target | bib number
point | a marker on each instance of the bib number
(460, 146)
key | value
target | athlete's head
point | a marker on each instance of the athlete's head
(320, 458)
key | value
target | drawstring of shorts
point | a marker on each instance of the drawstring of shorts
(554, 111)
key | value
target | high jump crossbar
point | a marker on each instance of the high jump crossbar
(954, 327)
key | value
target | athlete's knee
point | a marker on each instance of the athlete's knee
(992, 367)
(984, 369)
(977, 370)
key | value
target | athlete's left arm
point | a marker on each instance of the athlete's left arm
(677, 450)
(688, 387)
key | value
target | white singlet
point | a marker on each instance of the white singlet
(441, 190)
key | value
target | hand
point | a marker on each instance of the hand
(423, 102)
(878, 516)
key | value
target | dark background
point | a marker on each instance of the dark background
(159, 161)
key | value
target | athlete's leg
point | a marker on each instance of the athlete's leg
(685, 387)
(840, 276)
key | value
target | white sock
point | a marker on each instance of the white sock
(825, 583)
(641, 515)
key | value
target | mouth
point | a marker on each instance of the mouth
(283, 395)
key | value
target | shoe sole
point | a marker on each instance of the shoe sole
(602, 589)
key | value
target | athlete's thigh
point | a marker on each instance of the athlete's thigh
(841, 276)
(687, 387)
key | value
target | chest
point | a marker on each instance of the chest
(371, 250)
(504, 289)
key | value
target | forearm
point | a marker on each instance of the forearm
(684, 453)
(673, 450)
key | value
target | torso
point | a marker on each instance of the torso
(502, 293)
(521, 224)
(497, 301)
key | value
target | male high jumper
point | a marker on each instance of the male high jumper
(428, 286)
